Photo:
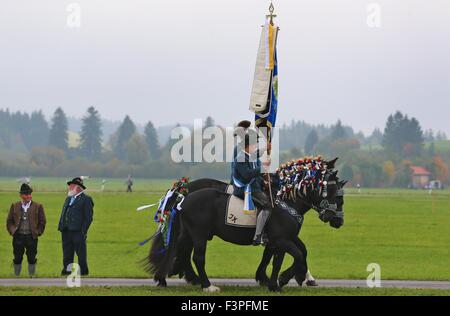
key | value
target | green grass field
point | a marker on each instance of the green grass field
(227, 291)
(406, 232)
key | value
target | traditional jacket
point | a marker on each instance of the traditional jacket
(236, 150)
(78, 216)
(245, 171)
(36, 216)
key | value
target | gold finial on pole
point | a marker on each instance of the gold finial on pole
(271, 11)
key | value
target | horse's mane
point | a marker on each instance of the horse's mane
(307, 171)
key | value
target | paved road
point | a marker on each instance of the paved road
(219, 282)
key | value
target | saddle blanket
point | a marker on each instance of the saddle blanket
(236, 216)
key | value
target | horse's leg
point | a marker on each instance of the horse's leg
(300, 264)
(287, 275)
(183, 266)
(277, 262)
(298, 277)
(189, 273)
(261, 275)
(290, 272)
(199, 260)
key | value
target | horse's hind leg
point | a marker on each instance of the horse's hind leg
(199, 260)
(277, 262)
(189, 273)
(261, 276)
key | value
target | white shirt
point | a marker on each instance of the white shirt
(26, 206)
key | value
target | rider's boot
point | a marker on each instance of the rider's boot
(261, 220)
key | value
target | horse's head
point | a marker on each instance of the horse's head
(314, 185)
(337, 220)
(325, 198)
(328, 199)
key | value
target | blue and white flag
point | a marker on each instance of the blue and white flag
(268, 118)
(264, 99)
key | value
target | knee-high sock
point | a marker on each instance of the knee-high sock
(261, 221)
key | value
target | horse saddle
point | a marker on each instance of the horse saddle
(236, 216)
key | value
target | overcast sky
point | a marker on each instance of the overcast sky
(176, 60)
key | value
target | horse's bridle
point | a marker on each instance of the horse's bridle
(326, 207)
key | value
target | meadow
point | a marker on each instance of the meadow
(406, 232)
(226, 291)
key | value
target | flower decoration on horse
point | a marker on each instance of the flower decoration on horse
(299, 175)
(168, 207)
(181, 186)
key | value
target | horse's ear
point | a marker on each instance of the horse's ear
(343, 183)
(334, 174)
(331, 164)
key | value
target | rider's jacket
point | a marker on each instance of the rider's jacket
(246, 169)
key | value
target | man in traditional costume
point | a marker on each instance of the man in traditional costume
(76, 218)
(247, 179)
(26, 222)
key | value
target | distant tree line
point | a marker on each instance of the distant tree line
(381, 159)
(29, 145)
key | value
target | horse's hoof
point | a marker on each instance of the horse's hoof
(194, 281)
(282, 282)
(311, 283)
(211, 289)
(162, 284)
(299, 281)
(262, 280)
(274, 288)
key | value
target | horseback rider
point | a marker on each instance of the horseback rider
(247, 171)
(240, 131)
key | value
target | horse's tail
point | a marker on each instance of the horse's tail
(160, 257)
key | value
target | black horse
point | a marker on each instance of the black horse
(202, 217)
(336, 221)
(187, 271)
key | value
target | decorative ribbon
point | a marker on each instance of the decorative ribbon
(249, 206)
